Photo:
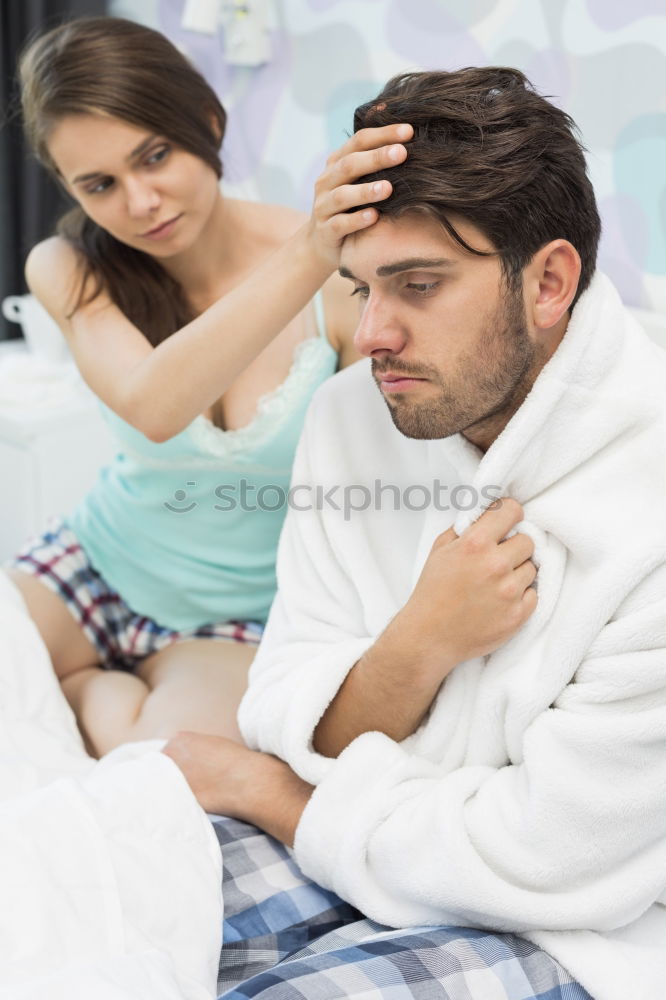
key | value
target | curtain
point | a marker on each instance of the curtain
(30, 201)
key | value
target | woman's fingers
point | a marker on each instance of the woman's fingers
(336, 194)
(350, 196)
(335, 206)
(372, 139)
(357, 164)
(346, 223)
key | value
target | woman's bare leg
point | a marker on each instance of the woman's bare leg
(195, 684)
(65, 641)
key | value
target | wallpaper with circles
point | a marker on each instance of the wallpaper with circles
(604, 61)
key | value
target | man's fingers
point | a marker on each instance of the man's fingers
(497, 521)
(373, 138)
(518, 549)
(446, 537)
(529, 603)
(526, 574)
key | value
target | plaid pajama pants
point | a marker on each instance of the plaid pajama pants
(120, 636)
(285, 938)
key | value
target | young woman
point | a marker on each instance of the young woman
(192, 318)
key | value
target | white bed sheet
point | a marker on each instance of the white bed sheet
(110, 873)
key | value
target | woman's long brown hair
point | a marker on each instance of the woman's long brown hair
(111, 66)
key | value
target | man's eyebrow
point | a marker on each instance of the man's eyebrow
(410, 264)
(141, 148)
(413, 264)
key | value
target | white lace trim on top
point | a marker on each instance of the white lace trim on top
(271, 407)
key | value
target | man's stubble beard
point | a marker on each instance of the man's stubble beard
(484, 393)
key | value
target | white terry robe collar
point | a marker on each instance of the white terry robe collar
(570, 414)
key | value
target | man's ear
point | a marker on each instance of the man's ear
(551, 280)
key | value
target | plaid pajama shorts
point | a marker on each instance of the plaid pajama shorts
(120, 635)
(286, 938)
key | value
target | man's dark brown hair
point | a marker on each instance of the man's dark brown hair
(488, 147)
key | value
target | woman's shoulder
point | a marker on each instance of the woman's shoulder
(53, 271)
(271, 224)
(55, 251)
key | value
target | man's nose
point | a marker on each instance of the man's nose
(380, 329)
(142, 198)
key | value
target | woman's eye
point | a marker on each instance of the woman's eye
(101, 186)
(158, 155)
(362, 291)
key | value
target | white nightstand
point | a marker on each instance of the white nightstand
(49, 456)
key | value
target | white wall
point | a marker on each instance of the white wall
(604, 61)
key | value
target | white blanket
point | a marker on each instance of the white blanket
(109, 872)
(533, 797)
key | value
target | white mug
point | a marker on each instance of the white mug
(41, 332)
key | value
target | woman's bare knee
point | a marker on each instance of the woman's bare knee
(197, 685)
(107, 705)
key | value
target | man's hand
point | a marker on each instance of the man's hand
(230, 780)
(473, 594)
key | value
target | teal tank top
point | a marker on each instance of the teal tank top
(186, 530)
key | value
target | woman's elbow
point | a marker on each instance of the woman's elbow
(157, 426)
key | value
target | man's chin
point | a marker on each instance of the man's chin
(418, 425)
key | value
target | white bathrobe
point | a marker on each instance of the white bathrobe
(533, 797)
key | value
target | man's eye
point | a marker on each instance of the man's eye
(362, 291)
(422, 287)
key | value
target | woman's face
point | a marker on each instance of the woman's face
(139, 186)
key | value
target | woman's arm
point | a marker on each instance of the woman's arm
(161, 390)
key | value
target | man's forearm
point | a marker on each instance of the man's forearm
(389, 690)
(474, 592)
(278, 799)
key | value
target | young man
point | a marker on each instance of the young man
(458, 714)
